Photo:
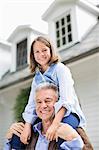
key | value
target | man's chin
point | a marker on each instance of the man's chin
(45, 120)
(45, 117)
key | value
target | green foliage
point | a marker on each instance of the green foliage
(20, 104)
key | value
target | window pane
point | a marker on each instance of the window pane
(68, 18)
(63, 31)
(69, 38)
(21, 54)
(57, 24)
(64, 40)
(69, 28)
(62, 21)
(57, 34)
(58, 43)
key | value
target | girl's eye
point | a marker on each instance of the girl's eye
(37, 52)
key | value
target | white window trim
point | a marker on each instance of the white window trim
(59, 19)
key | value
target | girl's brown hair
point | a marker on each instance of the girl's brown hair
(54, 56)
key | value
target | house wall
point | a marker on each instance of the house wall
(84, 26)
(5, 58)
(7, 101)
(18, 38)
(86, 75)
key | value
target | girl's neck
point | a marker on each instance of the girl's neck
(44, 68)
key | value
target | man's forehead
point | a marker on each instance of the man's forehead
(41, 91)
(45, 94)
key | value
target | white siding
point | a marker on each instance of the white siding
(84, 26)
(86, 75)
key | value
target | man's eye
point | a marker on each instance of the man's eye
(47, 101)
(39, 102)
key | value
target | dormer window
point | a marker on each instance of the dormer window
(21, 56)
(63, 30)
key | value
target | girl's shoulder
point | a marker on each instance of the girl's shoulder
(61, 66)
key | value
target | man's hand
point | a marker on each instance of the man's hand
(26, 134)
(16, 128)
(51, 132)
(66, 132)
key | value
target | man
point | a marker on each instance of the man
(45, 98)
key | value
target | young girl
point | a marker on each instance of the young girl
(46, 66)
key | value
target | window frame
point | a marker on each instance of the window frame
(66, 27)
(21, 54)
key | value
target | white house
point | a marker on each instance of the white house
(74, 28)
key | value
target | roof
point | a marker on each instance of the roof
(88, 44)
(9, 78)
(87, 5)
(20, 28)
(4, 43)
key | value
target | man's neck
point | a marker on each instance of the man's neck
(45, 126)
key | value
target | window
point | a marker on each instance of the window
(21, 56)
(63, 31)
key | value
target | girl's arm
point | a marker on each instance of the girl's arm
(66, 98)
(59, 116)
(26, 134)
(29, 114)
(67, 95)
(51, 132)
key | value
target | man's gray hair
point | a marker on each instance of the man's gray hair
(47, 85)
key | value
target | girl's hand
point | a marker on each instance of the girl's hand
(16, 128)
(51, 132)
(26, 134)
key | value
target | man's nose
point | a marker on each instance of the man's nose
(44, 104)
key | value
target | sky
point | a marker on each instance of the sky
(21, 12)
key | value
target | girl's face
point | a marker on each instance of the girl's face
(42, 53)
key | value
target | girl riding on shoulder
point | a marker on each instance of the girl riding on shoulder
(44, 62)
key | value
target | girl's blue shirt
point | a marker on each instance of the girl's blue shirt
(60, 75)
